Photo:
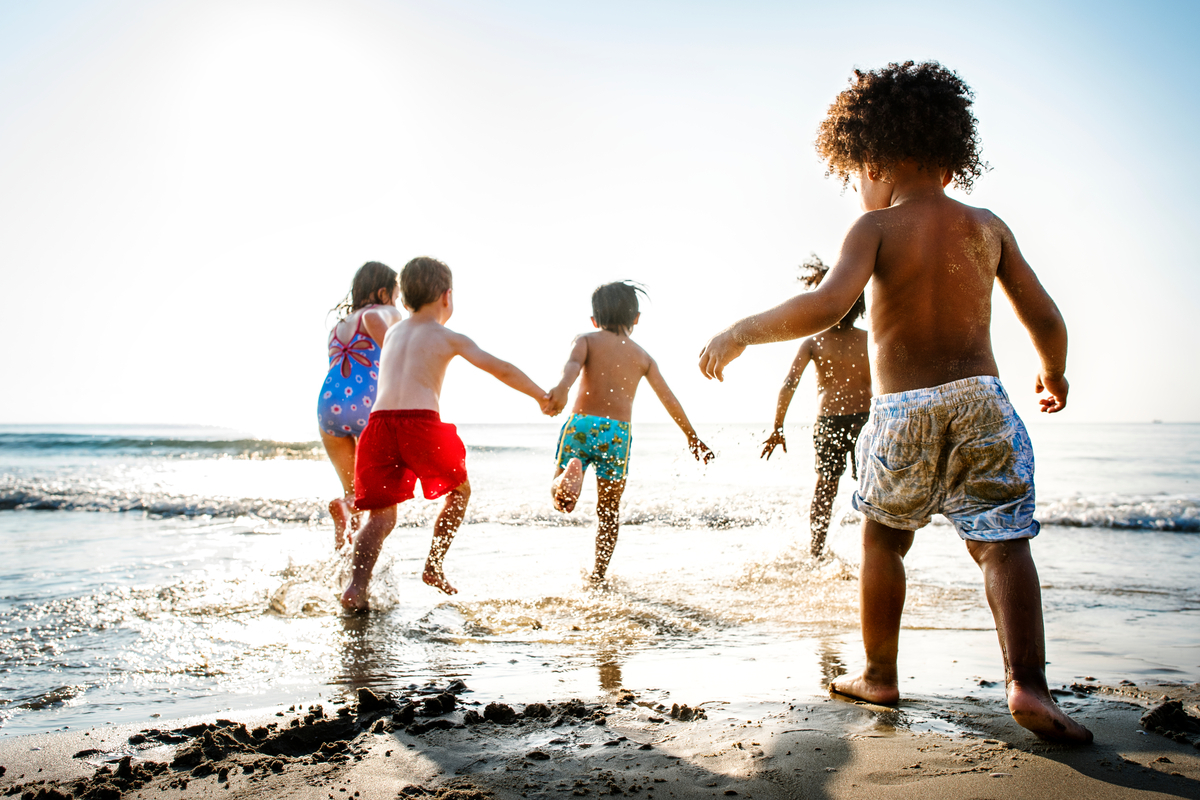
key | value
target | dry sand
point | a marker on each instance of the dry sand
(446, 743)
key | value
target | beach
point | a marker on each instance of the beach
(443, 742)
(161, 579)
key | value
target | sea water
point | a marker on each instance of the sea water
(171, 571)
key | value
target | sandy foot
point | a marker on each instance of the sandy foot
(568, 486)
(437, 579)
(1040, 715)
(859, 688)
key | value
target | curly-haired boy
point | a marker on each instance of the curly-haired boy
(942, 436)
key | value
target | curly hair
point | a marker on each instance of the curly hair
(904, 111)
(813, 271)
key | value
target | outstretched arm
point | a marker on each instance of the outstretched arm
(1041, 318)
(785, 399)
(804, 314)
(675, 409)
(502, 370)
(570, 373)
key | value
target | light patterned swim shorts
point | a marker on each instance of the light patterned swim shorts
(958, 449)
(596, 441)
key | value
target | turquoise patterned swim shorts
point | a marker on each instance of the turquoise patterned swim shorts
(958, 449)
(598, 441)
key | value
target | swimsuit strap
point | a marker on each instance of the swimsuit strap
(357, 328)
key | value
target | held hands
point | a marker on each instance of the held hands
(700, 450)
(720, 350)
(558, 400)
(546, 403)
(1057, 387)
(774, 440)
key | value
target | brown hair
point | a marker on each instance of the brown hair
(904, 111)
(424, 280)
(813, 271)
(371, 278)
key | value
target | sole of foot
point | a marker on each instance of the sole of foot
(1042, 717)
(568, 486)
(437, 579)
(859, 688)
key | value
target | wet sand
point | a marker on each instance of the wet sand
(445, 742)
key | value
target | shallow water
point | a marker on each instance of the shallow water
(220, 590)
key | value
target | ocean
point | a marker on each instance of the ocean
(171, 571)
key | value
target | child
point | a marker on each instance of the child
(844, 394)
(349, 387)
(944, 437)
(405, 438)
(597, 432)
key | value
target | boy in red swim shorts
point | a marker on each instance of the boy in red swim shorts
(405, 439)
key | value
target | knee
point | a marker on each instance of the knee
(463, 492)
(997, 552)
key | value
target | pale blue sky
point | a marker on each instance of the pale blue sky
(187, 187)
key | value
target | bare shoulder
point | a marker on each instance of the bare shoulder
(632, 351)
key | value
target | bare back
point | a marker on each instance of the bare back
(612, 368)
(843, 371)
(413, 364)
(931, 292)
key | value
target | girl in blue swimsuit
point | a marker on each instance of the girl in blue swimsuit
(349, 389)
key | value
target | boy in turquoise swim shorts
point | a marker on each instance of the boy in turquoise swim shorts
(610, 366)
(943, 436)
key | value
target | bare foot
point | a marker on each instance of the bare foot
(437, 579)
(567, 486)
(343, 518)
(355, 599)
(859, 688)
(1038, 713)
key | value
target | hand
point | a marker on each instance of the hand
(720, 350)
(1057, 387)
(700, 450)
(546, 403)
(774, 440)
(558, 399)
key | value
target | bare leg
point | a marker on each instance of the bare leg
(340, 450)
(567, 486)
(451, 516)
(608, 507)
(821, 511)
(1014, 593)
(367, 545)
(881, 587)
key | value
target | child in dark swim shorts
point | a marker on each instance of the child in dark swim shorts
(843, 396)
(943, 436)
(597, 432)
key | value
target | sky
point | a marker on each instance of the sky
(186, 189)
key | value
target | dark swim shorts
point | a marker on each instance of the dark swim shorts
(834, 437)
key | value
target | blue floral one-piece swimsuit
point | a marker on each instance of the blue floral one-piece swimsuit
(349, 389)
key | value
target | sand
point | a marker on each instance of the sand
(443, 742)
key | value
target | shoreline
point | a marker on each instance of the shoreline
(444, 741)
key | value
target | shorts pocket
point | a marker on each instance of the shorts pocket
(992, 474)
(896, 490)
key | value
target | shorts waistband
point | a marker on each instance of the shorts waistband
(929, 400)
(409, 413)
(602, 419)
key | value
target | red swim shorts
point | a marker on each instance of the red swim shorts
(400, 446)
